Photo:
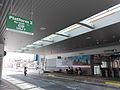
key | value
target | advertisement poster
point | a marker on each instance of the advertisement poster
(80, 60)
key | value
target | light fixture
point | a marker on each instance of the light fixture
(104, 13)
(38, 42)
(97, 42)
(18, 50)
(70, 28)
(34, 46)
(115, 8)
(88, 38)
(50, 37)
(25, 48)
(42, 28)
(30, 46)
(37, 46)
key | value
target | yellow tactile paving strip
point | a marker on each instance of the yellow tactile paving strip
(113, 83)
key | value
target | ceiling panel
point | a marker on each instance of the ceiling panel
(103, 37)
(54, 15)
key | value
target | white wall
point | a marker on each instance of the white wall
(56, 64)
(50, 64)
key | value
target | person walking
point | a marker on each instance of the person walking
(25, 71)
(79, 71)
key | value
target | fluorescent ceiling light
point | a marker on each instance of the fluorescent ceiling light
(30, 46)
(19, 50)
(50, 37)
(42, 28)
(38, 42)
(37, 46)
(70, 28)
(115, 8)
(88, 37)
(25, 48)
(33, 46)
(104, 13)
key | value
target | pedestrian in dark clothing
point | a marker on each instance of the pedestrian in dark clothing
(76, 71)
(79, 71)
(25, 71)
(71, 70)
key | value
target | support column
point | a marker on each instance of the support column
(1, 59)
(92, 65)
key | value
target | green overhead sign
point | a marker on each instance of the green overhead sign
(18, 24)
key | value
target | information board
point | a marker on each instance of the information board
(18, 24)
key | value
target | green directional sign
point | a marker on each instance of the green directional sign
(18, 24)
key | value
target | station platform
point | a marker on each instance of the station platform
(94, 80)
(5, 85)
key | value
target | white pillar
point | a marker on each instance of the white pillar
(1, 58)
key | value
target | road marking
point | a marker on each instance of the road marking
(51, 83)
(36, 89)
(71, 87)
(22, 84)
(4, 86)
(25, 86)
(108, 89)
(51, 75)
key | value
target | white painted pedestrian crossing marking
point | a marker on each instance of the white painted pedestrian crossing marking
(22, 84)
(36, 89)
(71, 87)
(25, 86)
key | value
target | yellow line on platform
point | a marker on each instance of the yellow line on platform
(113, 83)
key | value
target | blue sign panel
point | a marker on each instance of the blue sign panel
(36, 58)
